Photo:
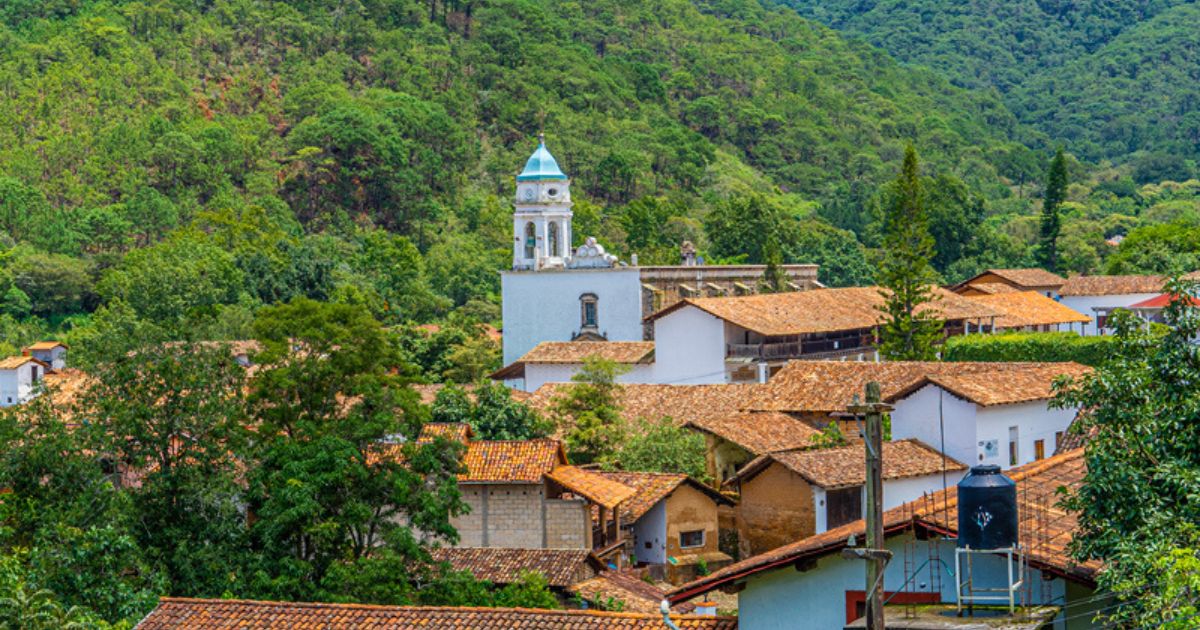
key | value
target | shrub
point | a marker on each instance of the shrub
(1045, 346)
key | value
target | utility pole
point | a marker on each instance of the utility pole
(876, 556)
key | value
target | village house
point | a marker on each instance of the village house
(1151, 310)
(672, 524)
(748, 338)
(976, 413)
(811, 579)
(1030, 311)
(20, 379)
(1098, 296)
(177, 613)
(731, 440)
(523, 494)
(994, 281)
(558, 293)
(785, 495)
(558, 361)
(51, 353)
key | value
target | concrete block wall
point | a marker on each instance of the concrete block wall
(513, 516)
(568, 524)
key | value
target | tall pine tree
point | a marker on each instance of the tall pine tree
(909, 332)
(1056, 194)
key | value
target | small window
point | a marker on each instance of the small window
(843, 506)
(691, 539)
(588, 316)
(1058, 437)
(1014, 453)
(34, 373)
(1039, 449)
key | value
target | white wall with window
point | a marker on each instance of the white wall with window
(553, 306)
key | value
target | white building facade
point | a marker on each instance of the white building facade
(1006, 435)
(19, 379)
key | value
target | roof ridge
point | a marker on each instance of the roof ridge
(355, 605)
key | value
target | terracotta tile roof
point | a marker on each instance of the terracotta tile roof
(12, 363)
(988, 288)
(457, 431)
(1111, 285)
(46, 345)
(562, 567)
(1041, 521)
(843, 466)
(652, 487)
(515, 461)
(571, 352)
(1025, 278)
(175, 613)
(1161, 301)
(681, 403)
(633, 593)
(829, 386)
(760, 432)
(819, 310)
(591, 485)
(65, 386)
(1029, 308)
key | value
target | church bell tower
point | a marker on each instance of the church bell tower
(542, 219)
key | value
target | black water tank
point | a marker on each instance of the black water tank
(987, 509)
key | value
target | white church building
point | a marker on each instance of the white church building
(558, 293)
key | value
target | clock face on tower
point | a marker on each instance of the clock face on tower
(527, 193)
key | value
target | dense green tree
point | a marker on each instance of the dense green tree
(1051, 220)
(1135, 505)
(663, 446)
(172, 415)
(55, 284)
(177, 279)
(589, 412)
(910, 328)
(330, 504)
(744, 226)
(491, 411)
(841, 260)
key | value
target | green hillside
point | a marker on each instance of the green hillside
(191, 160)
(1109, 77)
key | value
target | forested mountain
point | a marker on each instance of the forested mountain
(1108, 77)
(168, 167)
(193, 159)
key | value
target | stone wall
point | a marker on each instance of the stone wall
(776, 508)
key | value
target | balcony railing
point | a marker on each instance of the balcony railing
(797, 349)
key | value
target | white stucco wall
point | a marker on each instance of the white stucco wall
(544, 306)
(651, 528)
(537, 375)
(689, 347)
(17, 385)
(917, 416)
(969, 427)
(816, 599)
(1034, 421)
(900, 491)
(1087, 303)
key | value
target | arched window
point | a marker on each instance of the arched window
(553, 236)
(588, 316)
(530, 240)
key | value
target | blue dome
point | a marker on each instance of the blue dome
(541, 166)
